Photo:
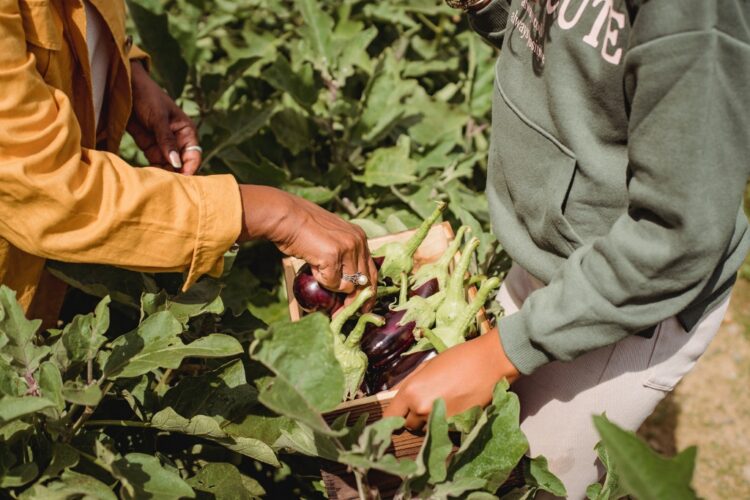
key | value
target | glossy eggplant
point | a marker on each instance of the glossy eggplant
(387, 376)
(426, 289)
(311, 295)
(383, 343)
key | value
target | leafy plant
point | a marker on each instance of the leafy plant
(373, 110)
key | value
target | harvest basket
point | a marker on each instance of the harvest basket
(339, 483)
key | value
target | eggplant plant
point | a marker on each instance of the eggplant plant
(439, 270)
(455, 303)
(352, 359)
(445, 336)
(398, 256)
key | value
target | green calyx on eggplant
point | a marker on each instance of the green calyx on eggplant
(349, 355)
(455, 303)
(312, 296)
(398, 256)
(448, 335)
(439, 270)
(346, 312)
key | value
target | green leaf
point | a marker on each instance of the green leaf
(612, 488)
(12, 407)
(292, 130)
(143, 476)
(83, 336)
(280, 396)
(389, 166)
(11, 383)
(222, 393)
(63, 457)
(437, 446)
(19, 475)
(495, 445)
(201, 298)
(81, 394)
(224, 482)
(301, 354)
(243, 124)
(298, 84)
(165, 51)
(207, 427)
(156, 344)
(19, 334)
(125, 287)
(70, 486)
(316, 33)
(645, 474)
(538, 475)
(370, 450)
(465, 421)
(460, 488)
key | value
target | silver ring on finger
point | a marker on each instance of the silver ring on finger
(356, 278)
(194, 148)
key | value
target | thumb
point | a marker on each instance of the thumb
(167, 143)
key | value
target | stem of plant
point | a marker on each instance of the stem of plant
(163, 380)
(88, 411)
(117, 423)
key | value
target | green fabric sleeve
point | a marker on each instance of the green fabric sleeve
(689, 156)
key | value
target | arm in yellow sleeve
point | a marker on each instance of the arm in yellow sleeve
(61, 201)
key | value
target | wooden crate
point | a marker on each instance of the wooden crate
(340, 484)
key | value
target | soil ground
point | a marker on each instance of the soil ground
(710, 408)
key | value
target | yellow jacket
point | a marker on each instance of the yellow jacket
(64, 193)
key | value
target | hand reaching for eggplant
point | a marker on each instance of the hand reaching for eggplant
(424, 312)
(330, 245)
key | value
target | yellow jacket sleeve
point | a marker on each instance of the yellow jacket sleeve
(61, 201)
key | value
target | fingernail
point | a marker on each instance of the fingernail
(174, 159)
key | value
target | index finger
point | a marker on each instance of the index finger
(398, 406)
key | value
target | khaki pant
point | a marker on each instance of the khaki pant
(626, 380)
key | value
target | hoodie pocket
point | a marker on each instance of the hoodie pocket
(537, 171)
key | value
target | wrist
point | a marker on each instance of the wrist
(263, 210)
(493, 348)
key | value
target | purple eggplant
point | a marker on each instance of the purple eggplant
(386, 377)
(427, 289)
(383, 343)
(311, 295)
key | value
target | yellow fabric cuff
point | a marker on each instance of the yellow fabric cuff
(219, 224)
(138, 54)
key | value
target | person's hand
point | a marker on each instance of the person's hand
(165, 134)
(331, 245)
(464, 376)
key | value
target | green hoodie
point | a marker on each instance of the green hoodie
(619, 157)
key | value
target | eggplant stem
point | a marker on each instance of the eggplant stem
(436, 341)
(359, 329)
(455, 290)
(347, 312)
(411, 245)
(440, 267)
(384, 291)
(479, 299)
(404, 290)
